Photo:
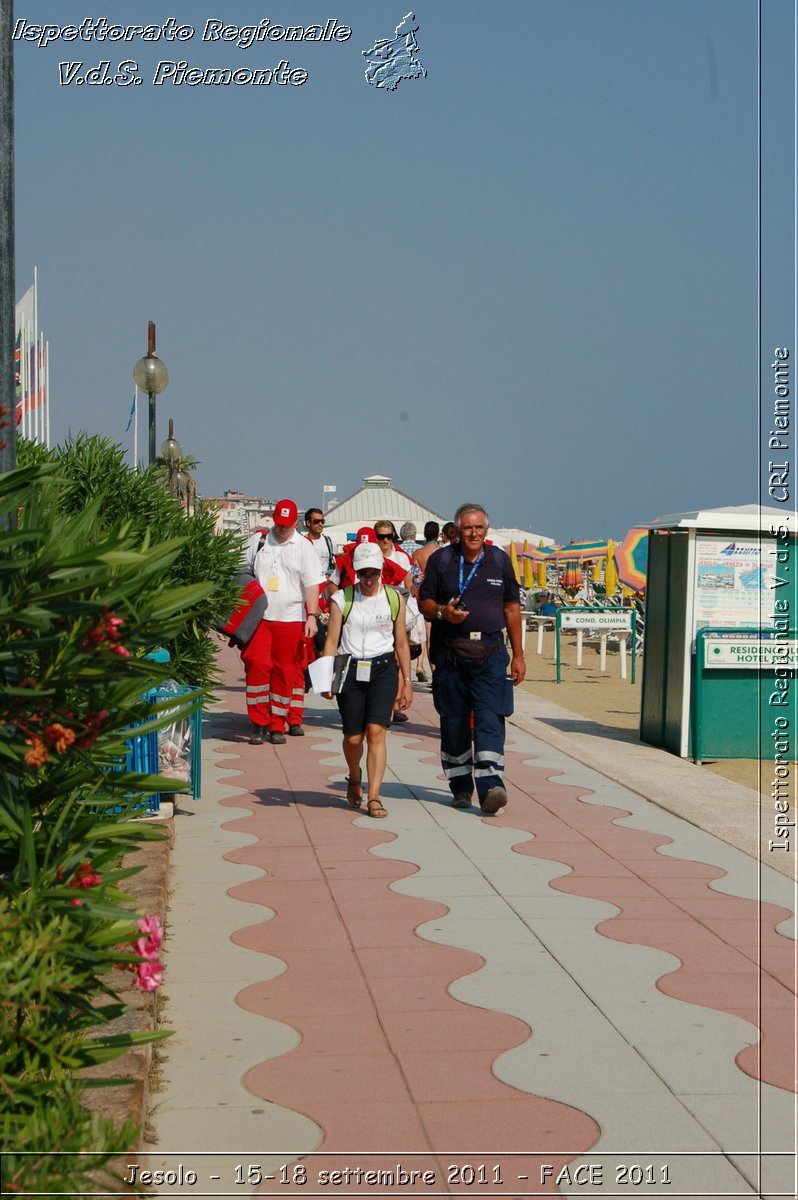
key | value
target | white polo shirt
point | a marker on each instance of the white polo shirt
(285, 570)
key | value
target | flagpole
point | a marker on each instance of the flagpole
(26, 379)
(47, 389)
(135, 427)
(36, 430)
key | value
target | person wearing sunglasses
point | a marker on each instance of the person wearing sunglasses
(397, 562)
(368, 623)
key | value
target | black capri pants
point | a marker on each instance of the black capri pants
(371, 703)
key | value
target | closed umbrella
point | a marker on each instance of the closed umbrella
(610, 571)
(529, 577)
(514, 561)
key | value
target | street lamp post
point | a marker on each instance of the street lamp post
(152, 377)
(171, 453)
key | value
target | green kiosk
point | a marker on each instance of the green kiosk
(719, 657)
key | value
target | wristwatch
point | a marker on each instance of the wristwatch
(439, 612)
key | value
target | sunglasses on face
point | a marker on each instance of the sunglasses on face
(368, 574)
(384, 537)
(317, 520)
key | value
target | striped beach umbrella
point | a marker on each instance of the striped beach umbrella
(631, 558)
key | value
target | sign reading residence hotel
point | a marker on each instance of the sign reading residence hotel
(734, 582)
(730, 652)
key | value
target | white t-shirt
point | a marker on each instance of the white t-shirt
(368, 630)
(322, 548)
(285, 570)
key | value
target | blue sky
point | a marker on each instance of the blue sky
(531, 278)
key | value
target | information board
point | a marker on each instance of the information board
(734, 581)
(748, 652)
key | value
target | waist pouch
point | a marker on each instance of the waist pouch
(466, 653)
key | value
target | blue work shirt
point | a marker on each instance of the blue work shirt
(492, 586)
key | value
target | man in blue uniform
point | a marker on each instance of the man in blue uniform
(470, 594)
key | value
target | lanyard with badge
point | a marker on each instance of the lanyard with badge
(475, 637)
(363, 668)
(276, 553)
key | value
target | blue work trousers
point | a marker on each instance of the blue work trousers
(457, 691)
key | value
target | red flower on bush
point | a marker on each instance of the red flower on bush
(106, 634)
(37, 756)
(59, 736)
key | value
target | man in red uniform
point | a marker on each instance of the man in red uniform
(287, 568)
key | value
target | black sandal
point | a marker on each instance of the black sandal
(354, 793)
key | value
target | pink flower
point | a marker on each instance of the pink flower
(149, 976)
(152, 926)
(148, 948)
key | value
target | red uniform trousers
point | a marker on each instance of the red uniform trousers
(274, 665)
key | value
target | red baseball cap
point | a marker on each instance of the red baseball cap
(366, 534)
(285, 513)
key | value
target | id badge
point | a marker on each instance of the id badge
(475, 637)
(363, 671)
(273, 584)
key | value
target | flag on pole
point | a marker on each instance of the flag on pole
(132, 414)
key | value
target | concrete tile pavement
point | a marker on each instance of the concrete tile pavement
(586, 979)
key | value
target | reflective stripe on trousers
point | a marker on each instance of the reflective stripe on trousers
(458, 691)
(274, 664)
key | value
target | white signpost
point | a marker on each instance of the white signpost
(620, 621)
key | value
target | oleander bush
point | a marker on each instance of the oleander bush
(81, 605)
(95, 472)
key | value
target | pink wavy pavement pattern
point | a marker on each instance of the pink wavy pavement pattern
(388, 1059)
(666, 903)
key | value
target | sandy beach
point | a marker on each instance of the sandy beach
(610, 700)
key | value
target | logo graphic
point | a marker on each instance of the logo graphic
(390, 60)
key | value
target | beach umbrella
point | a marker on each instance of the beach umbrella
(595, 574)
(514, 561)
(631, 558)
(542, 574)
(578, 552)
(572, 578)
(610, 571)
(526, 566)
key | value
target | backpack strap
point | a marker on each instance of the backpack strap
(330, 552)
(394, 602)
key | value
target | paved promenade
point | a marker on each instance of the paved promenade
(589, 995)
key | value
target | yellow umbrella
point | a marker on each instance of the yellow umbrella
(610, 571)
(542, 574)
(514, 561)
(529, 574)
(595, 574)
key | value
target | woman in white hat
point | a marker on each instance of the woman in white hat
(368, 623)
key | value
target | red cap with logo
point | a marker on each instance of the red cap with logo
(365, 534)
(285, 513)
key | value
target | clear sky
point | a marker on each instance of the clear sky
(531, 278)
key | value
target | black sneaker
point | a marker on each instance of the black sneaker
(296, 731)
(461, 800)
(276, 738)
(259, 735)
(494, 799)
(399, 718)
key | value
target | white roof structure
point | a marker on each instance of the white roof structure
(377, 500)
(753, 517)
